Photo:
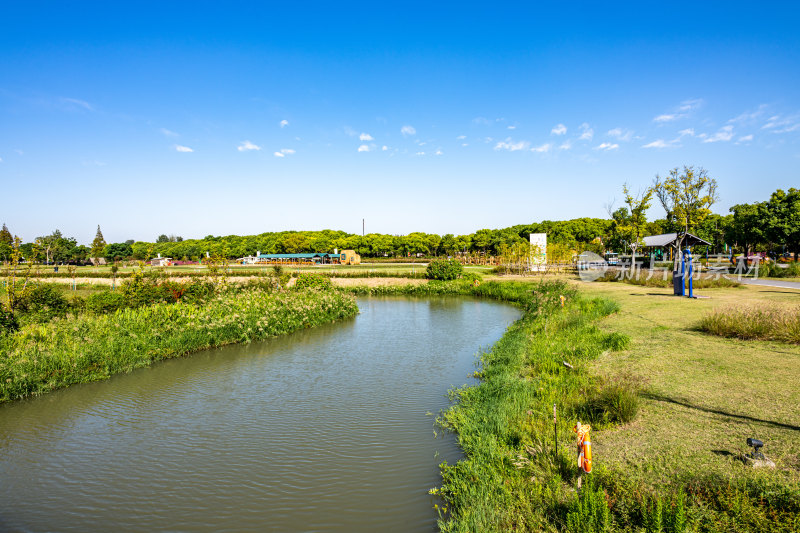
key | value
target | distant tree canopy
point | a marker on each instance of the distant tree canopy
(117, 251)
(770, 225)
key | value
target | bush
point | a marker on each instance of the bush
(40, 303)
(104, 302)
(8, 322)
(589, 513)
(144, 289)
(313, 281)
(444, 269)
(774, 270)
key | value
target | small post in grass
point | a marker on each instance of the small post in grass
(555, 429)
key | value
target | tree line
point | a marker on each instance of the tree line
(769, 226)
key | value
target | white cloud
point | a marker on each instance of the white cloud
(725, 133)
(606, 146)
(420, 153)
(75, 102)
(780, 124)
(180, 148)
(481, 120)
(438, 151)
(683, 110)
(660, 143)
(168, 133)
(512, 127)
(566, 145)
(408, 130)
(365, 137)
(559, 130)
(278, 154)
(690, 105)
(620, 134)
(350, 132)
(1, 159)
(247, 145)
(543, 148)
(587, 134)
(687, 131)
(284, 123)
(384, 148)
(749, 118)
(287, 151)
(461, 137)
(746, 138)
(363, 148)
(511, 146)
(667, 117)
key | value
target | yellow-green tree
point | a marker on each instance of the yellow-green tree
(633, 226)
(687, 196)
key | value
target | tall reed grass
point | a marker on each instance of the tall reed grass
(766, 322)
(42, 357)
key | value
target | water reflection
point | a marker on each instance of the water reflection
(322, 430)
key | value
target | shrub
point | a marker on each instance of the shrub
(589, 513)
(313, 281)
(105, 302)
(197, 291)
(444, 269)
(8, 322)
(40, 303)
(144, 289)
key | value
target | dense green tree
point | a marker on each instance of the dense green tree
(746, 229)
(481, 240)
(55, 247)
(782, 219)
(117, 251)
(98, 244)
(6, 244)
(5, 236)
(448, 244)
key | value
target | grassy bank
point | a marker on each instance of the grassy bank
(704, 396)
(40, 358)
(511, 478)
(671, 467)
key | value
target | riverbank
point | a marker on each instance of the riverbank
(672, 467)
(42, 357)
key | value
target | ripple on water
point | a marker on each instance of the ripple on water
(323, 430)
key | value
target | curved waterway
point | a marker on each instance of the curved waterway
(327, 429)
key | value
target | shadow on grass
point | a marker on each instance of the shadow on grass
(683, 403)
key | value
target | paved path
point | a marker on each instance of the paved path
(769, 283)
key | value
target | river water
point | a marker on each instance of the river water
(327, 429)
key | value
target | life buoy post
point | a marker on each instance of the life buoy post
(584, 447)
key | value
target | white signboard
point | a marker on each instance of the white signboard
(538, 251)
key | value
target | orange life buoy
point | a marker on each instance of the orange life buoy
(584, 448)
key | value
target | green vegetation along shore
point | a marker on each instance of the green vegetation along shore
(655, 469)
(42, 357)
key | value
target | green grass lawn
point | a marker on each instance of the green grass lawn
(704, 395)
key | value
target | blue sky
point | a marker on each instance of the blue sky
(196, 118)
